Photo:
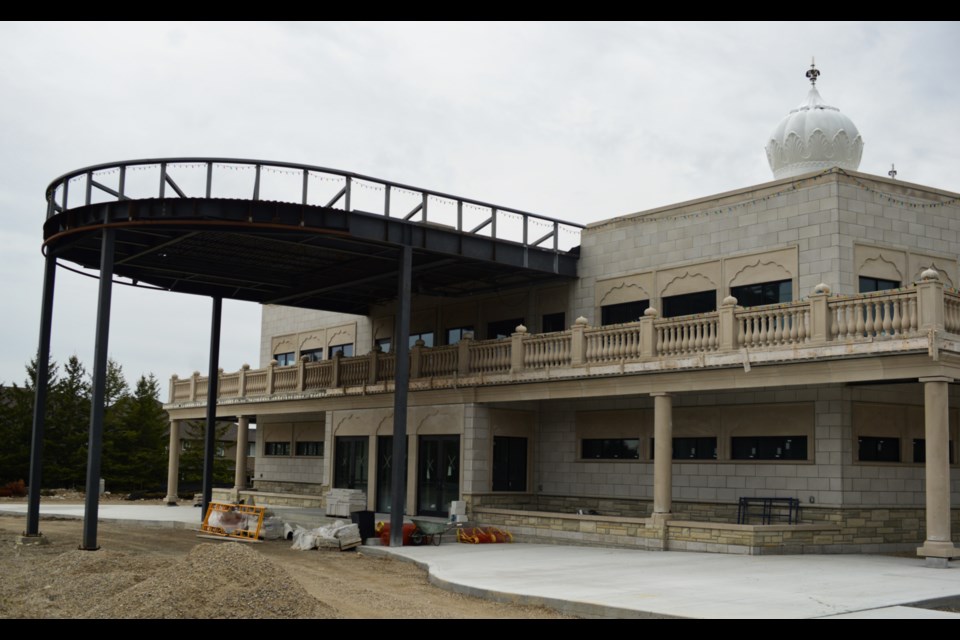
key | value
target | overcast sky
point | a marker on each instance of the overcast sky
(577, 121)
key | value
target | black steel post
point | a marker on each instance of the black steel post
(40, 398)
(401, 379)
(95, 442)
(213, 378)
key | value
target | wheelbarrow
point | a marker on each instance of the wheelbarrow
(428, 531)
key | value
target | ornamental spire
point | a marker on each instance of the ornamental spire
(813, 72)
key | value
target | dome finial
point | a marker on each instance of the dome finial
(813, 72)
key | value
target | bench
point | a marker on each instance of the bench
(768, 510)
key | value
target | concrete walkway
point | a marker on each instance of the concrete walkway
(600, 582)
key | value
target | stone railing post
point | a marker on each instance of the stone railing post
(173, 387)
(578, 346)
(648, 333)
(415, 355)
(463, 353)
(372, 366)
(193, 385)
(301, 373)
(727, 325)
(271, 372)
(335, 369)
(820, 314)
(219, 383)
(516, 348)
(930, 301)
(242, 381)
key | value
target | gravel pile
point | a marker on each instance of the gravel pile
(215, 580)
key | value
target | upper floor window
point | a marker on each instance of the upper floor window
(876, 284)
(456, 334)
(345, 350)
(312, 355)
(383, 343)
(284, 359)
(553, 322)
(426, 336)
(623, 312)
(689, 304)
(503, 328)
(755, 295)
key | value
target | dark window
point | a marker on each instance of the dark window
(276, 448)
(553, 322)
(251, 449)
(770, 448)
(755, 295)
(624, 312)
(877, 284)
(350, 471)
(694, 448)
(383, 343)
(920, 450)
(879, 449)
(345, 350)
(503, 328)
(284, 359)
(509, 463)
(689, 304)
(611, 448)
(455, 334)
(312, 355)
(426, 336)
(310, 449)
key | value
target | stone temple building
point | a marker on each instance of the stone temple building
(794, 341)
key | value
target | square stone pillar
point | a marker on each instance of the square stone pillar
(173, 464)
(240, 475)
(938, 547)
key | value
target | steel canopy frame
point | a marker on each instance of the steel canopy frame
(273, 252)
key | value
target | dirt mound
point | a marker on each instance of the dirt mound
(215, 580)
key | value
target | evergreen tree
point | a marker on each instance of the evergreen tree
(134, 439)
(191, 458)
(16, 423)
(68, 419)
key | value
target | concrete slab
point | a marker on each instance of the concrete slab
(624, 583)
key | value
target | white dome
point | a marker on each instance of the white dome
(812, 137)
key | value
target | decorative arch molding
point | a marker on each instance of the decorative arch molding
(311, 340)
(879, 266)
(761, 271)
(385, 426)
(347, 335)
(620, 292)
(687, 283)
(422, 422)
(283, 345)
(352, 424)
(942, 270)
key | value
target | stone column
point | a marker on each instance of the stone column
(173, 464)
(240, 475)
(662, 455)
(938, 547)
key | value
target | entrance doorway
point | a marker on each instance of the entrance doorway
(438, 474)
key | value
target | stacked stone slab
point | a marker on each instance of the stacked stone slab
(343, 502)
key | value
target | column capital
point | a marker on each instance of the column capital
(656, 394)
(936, 379)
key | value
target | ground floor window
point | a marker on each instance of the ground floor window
(769, 448)
(610, 448)
(878, 449)
(509, 463)
(276, 448)
(310, 449)
(350, 471)
(623, 312)
(694, 448)
(920, 450)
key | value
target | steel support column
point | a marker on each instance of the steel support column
(95, 443)
(40, 398)
(401, 347)
(213, 379)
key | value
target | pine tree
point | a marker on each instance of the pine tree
(68, 418)
(191, 458)
(134, 453)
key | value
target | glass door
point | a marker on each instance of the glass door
(438, 474)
